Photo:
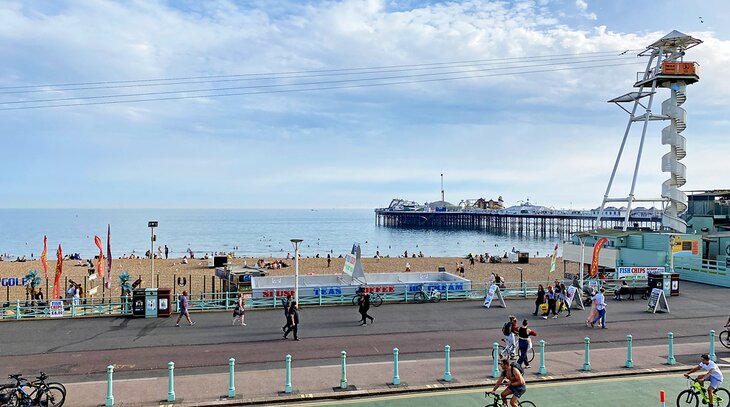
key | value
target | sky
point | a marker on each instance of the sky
(548, 136)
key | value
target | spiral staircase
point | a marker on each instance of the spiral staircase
(672, 136)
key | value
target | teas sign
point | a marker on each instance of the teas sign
(632, 273)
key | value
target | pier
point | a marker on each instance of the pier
(555, 223)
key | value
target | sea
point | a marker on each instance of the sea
(246, 232)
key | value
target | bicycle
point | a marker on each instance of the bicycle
(497, 401)
(691, 396)
(38, 393)
(725, 337)
(376, 299)
(506, 353)
(422, 295)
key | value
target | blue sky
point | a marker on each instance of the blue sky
(549, 136)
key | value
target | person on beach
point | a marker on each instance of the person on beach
(408, 267)
(183, 307)
(523, 342)
(238, 312)
(293, 321)
(329, 259)
(540, 299)
(286, 303)
(167, 251)
(600, 301)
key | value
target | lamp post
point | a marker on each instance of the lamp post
(582, 257)
(522, 286)
(152, 225)
(296, 243)
(672, 241)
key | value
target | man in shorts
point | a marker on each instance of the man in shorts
(713, 374)
(511, 377)
(183, 307)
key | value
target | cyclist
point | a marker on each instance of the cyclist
(508, 330)
(713, 374)
(512, 377)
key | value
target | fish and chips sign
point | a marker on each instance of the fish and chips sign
(634, 273)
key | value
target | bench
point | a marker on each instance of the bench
(631, 291)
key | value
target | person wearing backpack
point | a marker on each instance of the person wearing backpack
(508, 330)
(523, 336)
(511, 377)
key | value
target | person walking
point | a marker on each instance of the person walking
(183, 307)
(540, 298)
(550, 297)
(600, 301)
(509, 329)
(238, 312)
(564, 298)
(167, 251)
(286, 303)
(329, 259)
(592, 314)
(293, 321)
(364, 302)
(558, 298)
(523, 342)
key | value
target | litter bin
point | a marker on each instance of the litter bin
(164, 302)
(523, 257)
(655, 280)
(138, 302)
(675, 283)
(150, 300)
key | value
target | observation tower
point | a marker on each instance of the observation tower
(666, 68)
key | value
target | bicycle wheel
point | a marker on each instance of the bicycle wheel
(354, 299)
(722, 397)
(57, 384)
(7, 395)
(530, 355)
(419, 297)
(377, 300)
(687, 398)
(725, 338)
(526, 404)
(436, 296)
(52, 396)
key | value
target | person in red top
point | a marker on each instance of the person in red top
(523, 336)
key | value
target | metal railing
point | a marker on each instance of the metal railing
(198, 302)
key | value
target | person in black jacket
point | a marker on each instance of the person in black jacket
(364, 303)
(293, 321)
(540, 298)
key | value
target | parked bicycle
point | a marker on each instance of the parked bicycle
(422, 295)
(506, 352)
(725, 337)
(25, 393)
(376, 299)
(497, 401)
(696, 392)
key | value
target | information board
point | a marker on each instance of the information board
(56, 308)
(657, 301)
(634, 273)
(493, 292)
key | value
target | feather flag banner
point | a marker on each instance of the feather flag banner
(100, 265)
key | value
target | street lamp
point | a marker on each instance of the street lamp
(152, 225)
(524, 291)
(582, 257)
(296, 243)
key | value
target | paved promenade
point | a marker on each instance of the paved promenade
(77, 352)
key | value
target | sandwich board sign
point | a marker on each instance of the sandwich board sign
(56, 308)
(657, 301)
(573, 296)
(494, 292)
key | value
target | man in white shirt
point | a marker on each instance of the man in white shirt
(600, 301)
(713, 374)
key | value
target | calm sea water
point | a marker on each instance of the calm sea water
(252, 232)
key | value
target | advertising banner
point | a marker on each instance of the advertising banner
(632, 273)
(56, 308)
(596, 251)
(349, 267)
(490, 295)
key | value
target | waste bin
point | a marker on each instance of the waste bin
(138, 302)
(655, 280)
(164, 302)
(523, 257)
(150, 300)
(675, 283)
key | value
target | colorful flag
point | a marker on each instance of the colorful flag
(596, 250)
(108, 256)
(59, 271)
(554, 259)
(44, 257)
(100, 264)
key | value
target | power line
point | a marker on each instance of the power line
(58, 85)
(327, 82)
(349, 86)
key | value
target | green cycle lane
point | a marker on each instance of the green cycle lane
(629, 391)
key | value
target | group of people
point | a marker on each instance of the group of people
(498, 280)
(556, 299)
